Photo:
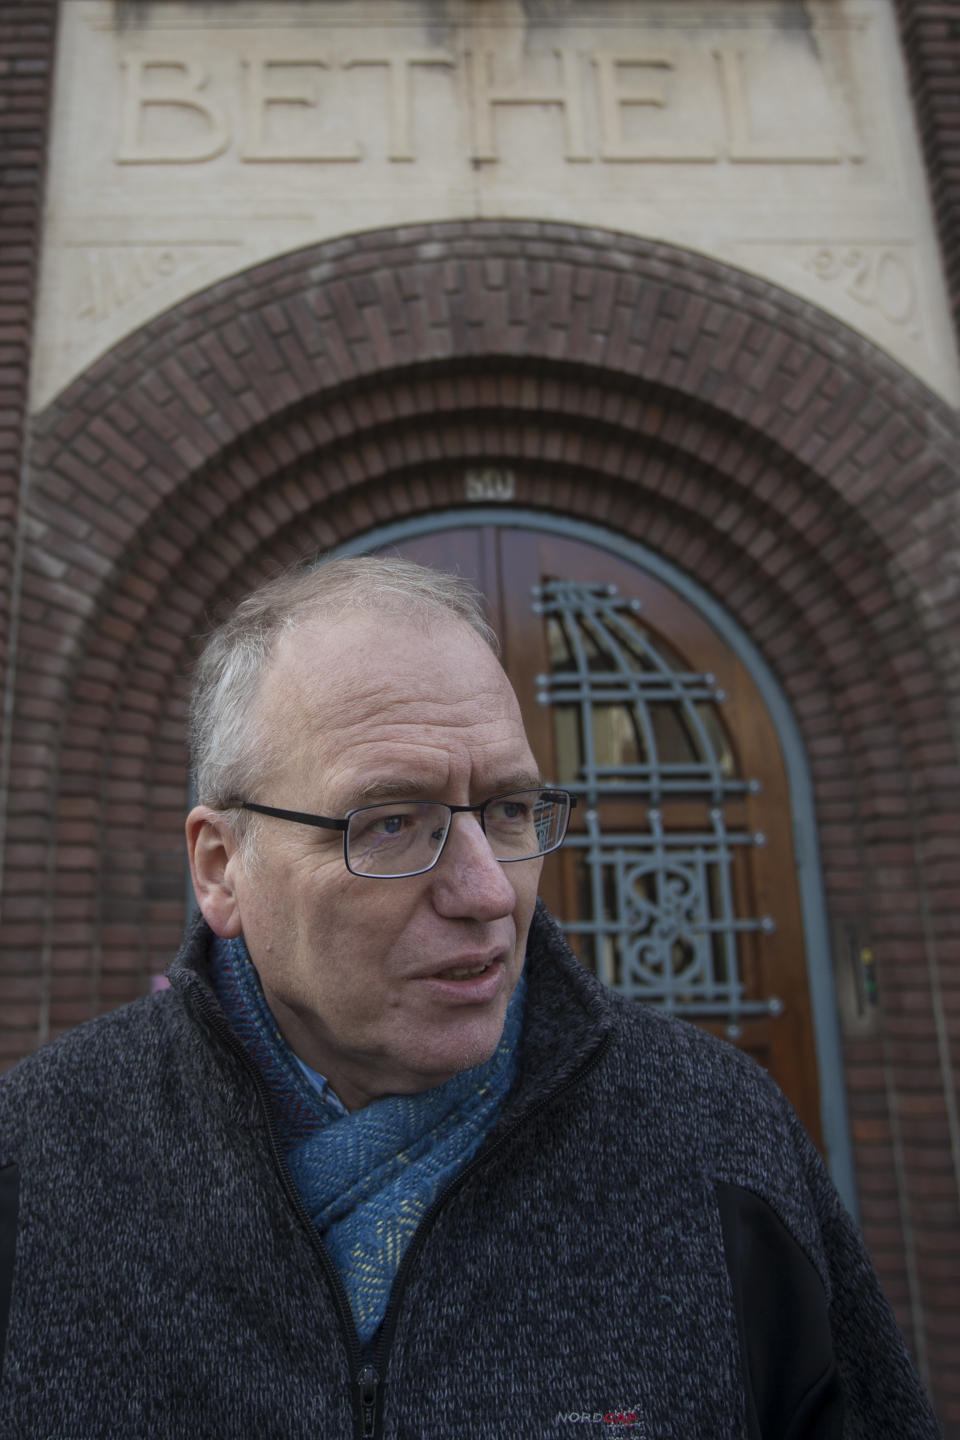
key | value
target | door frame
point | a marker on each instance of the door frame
(823, 1003)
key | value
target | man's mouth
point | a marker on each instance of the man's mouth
(463, 972)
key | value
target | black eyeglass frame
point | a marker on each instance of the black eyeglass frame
(326, 822)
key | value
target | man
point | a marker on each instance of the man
(385, 1160)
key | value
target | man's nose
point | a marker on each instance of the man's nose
(469, 880)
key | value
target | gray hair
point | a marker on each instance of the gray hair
(229, 749)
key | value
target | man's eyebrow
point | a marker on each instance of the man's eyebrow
(519, 780)
(370, 792)
(373, 792)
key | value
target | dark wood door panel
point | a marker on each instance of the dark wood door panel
(508, 565)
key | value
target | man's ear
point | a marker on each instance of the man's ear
(214, 861)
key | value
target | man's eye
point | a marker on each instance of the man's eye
(388, 824)
(510, 810)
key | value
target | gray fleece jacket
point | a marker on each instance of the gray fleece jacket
(647, 1245)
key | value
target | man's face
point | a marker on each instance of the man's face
(387, 985)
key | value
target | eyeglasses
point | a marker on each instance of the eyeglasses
(407, 838)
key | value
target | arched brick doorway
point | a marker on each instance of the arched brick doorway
(794, 472)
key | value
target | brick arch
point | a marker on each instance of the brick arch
(209, 383)
(794, 471)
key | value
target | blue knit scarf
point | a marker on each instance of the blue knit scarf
(367, 1177)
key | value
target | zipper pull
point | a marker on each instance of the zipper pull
(369, 1380)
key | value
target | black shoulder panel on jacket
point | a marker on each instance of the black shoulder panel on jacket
(791, 1382)
(9, 1204)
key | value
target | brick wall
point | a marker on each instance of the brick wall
(27, 33)
(794, 471)
(27, 39)
(930, 34)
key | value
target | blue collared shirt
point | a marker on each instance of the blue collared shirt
(321, 1084)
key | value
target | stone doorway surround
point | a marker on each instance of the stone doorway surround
(793, 470)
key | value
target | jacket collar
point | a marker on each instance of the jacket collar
(569, 1018)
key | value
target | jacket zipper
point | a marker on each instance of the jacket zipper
(478, 1162)
(369, 1380)
(367, 1375)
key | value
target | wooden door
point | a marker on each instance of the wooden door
(678, 882)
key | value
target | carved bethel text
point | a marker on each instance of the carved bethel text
(300, 106)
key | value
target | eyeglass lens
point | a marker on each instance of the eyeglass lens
(406, 838)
